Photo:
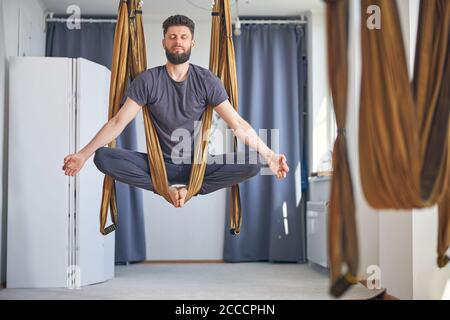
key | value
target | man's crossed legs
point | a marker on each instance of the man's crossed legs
(131, 167)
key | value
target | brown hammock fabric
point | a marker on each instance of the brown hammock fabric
(222, 62)
(404, 129)
(342, 241)
(129, 60)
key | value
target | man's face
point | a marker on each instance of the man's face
(178, 43)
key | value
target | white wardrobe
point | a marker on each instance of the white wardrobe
(53, 239)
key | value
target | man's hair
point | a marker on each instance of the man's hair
(178, 20)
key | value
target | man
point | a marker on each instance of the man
(177, 94)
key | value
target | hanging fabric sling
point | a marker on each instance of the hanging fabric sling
(129, 60)
(342, 241)
(404, 134)
(404, 129)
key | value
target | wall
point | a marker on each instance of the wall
(195, 231)
(22, 20)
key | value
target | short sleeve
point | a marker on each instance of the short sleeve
(215, 91)
(138, 90)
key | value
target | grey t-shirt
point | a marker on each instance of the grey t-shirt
(176, 105)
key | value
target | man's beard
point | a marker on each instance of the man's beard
(178, 58)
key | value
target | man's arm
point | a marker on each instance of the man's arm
(111, 130)
(245, 132)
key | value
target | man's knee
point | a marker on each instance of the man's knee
(100, 158)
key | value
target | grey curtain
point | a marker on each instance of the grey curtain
(271, 67)
(94, 41)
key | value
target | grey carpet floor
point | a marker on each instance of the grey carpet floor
(221, 281)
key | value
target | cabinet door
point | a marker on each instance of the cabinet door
(95, 251)
(40, 136)
(316, 226)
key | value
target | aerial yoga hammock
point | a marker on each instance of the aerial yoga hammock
(404, 134)
(129, 60)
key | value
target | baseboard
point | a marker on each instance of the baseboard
(179, 261)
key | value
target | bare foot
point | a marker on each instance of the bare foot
(174, 196)
(182, 192)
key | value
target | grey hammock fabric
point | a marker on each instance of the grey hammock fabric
(94, 41)
(271, 70)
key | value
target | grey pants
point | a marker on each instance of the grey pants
(131, 167)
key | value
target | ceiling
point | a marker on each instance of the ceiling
(194, 8)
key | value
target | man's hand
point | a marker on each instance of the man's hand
(277, 163)
(73, 164)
